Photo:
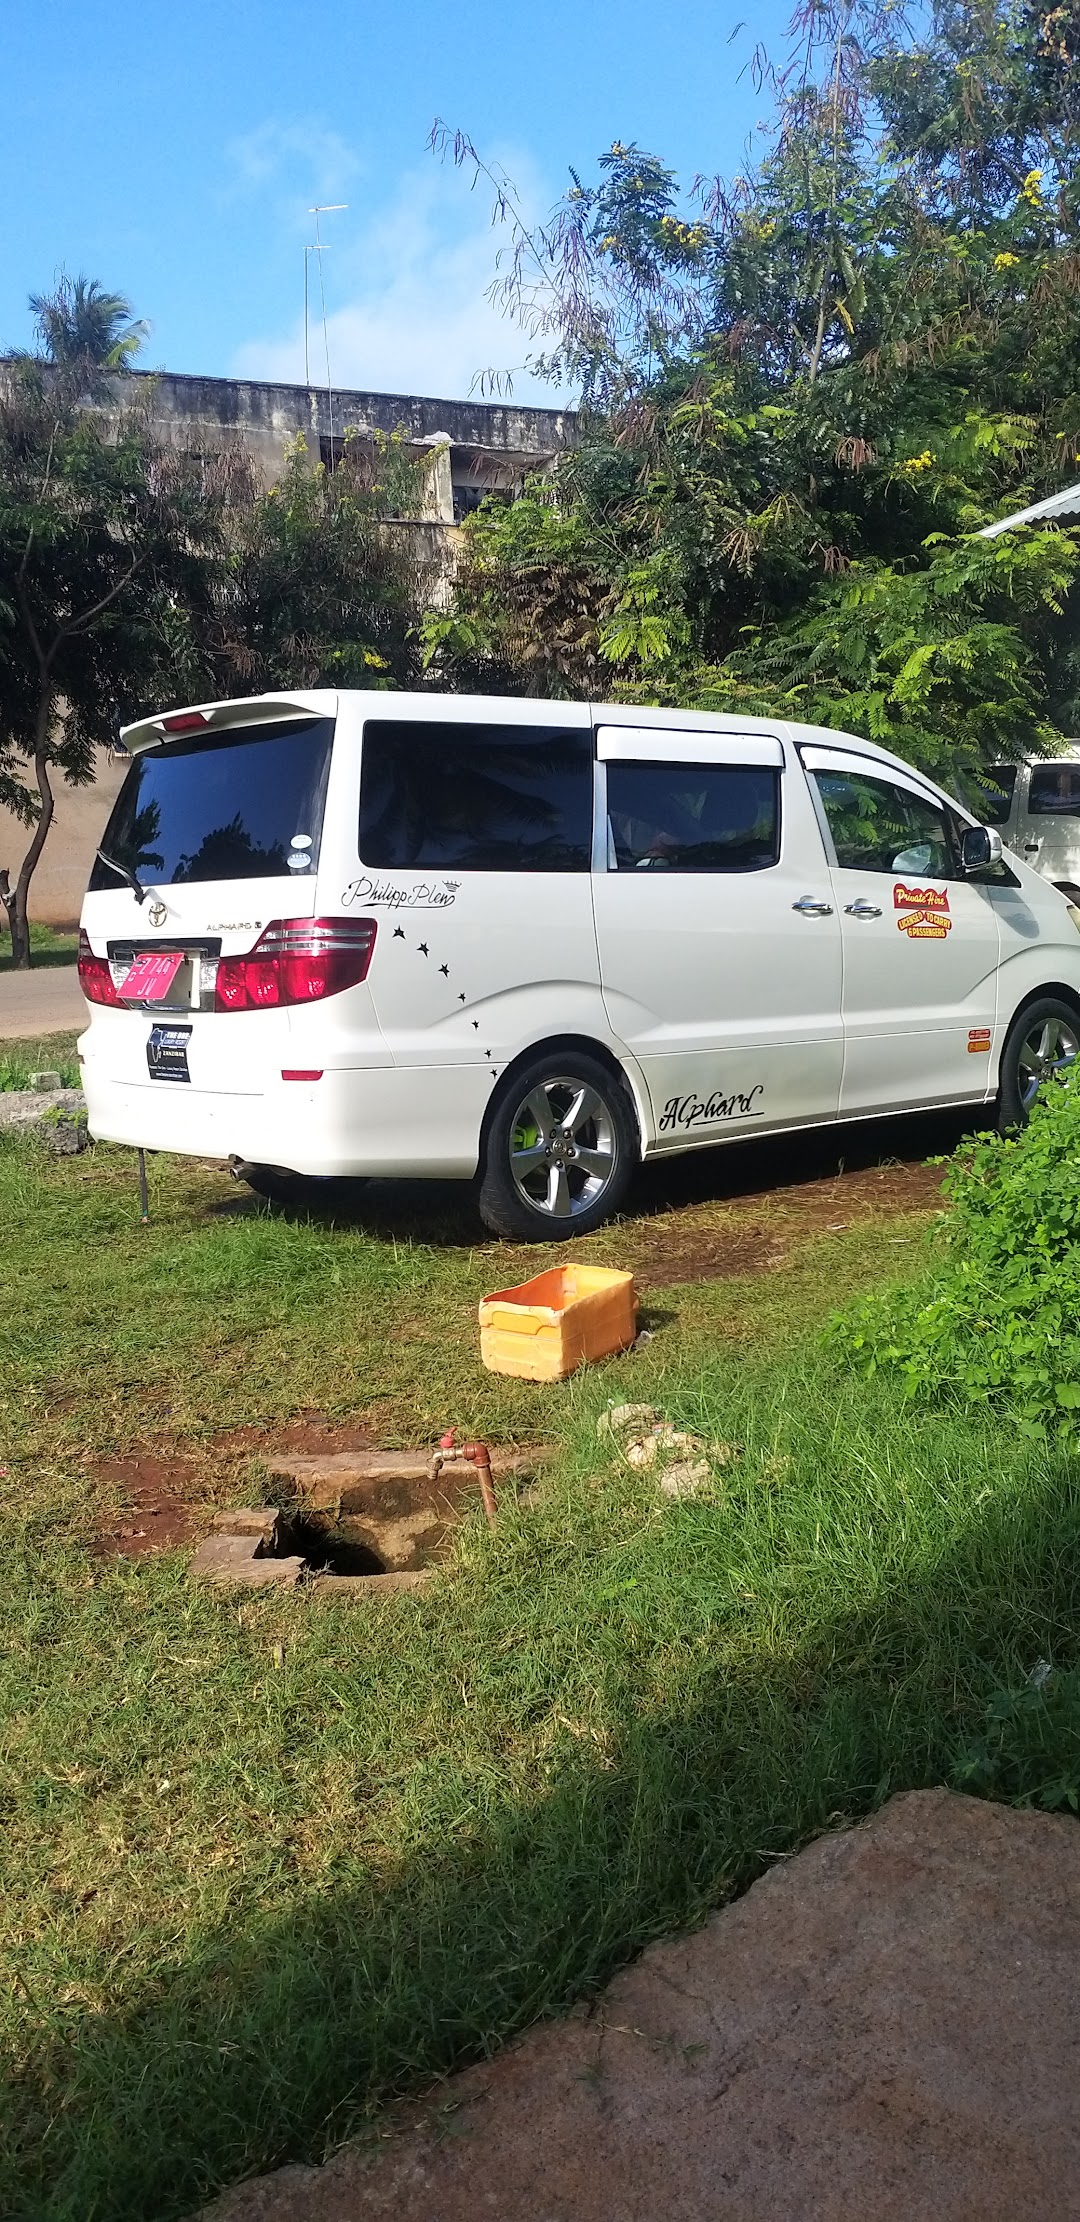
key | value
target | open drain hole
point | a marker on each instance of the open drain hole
(331, 1549)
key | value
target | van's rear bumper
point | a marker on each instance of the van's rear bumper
(393, 1123)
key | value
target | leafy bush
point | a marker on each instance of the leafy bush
(996, 1315)
(1029, 1752)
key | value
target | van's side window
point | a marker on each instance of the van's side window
(692, 817)
(877, 827)
(475, 798)
(1054, 791)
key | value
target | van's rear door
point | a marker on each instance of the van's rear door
(215, 833)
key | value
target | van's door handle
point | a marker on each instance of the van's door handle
(811, 906)
(862, 909)
(1033, 847)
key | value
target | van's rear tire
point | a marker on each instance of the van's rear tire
(301, 1191)
(562, 1148)
(1043, 1043)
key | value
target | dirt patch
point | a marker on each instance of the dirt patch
(673, 1249)
(157, 1511)
(310, 1433)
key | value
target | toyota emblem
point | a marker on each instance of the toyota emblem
(157, 914)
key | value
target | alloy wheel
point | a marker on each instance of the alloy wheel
(1046, 1053)
(563, 1147)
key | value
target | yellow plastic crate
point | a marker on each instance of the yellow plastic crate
(548, 1327)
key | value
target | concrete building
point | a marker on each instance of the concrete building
(472, 448)
(476, 447)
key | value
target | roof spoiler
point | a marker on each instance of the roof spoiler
(215, 717)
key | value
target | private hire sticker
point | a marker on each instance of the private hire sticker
(978, 1041)
(926, 912)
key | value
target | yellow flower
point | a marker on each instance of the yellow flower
(1005, 262)
(915, 463)
(1031, 189)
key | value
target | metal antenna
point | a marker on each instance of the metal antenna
(310, 250)
(322, 208)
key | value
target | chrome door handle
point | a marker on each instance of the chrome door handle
(812, 907)
(862, 909)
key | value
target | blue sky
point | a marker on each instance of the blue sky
(173, 150)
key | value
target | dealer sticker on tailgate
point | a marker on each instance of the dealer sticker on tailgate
(167, 1052)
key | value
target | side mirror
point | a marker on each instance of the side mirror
(980, 846)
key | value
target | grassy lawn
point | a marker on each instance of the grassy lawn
(267, 1866)
(48, 1053)
(47, 947)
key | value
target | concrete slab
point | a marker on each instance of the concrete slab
(886, 2026)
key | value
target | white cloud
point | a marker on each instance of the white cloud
(301, 161)
(405, 296)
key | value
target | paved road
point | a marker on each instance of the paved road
(45, 1000)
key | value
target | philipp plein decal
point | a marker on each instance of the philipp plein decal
(426, 895)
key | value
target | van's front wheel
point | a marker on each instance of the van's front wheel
(561, 1150)
(1042, 1044)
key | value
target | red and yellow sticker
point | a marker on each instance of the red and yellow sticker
(978, 1041)
(925, 912)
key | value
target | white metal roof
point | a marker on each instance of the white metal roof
(1066, 503)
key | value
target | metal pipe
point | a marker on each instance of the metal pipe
(479, 1456)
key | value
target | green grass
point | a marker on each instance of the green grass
(264, 1868)
(49, 1053)
(47, 947)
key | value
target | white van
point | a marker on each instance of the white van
(401, 934)
(1036, 807)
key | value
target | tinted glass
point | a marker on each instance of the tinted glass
(1055, 791)
(877, 827)
(990, 793)
(475, 798)
(240, 805)
(692, 817)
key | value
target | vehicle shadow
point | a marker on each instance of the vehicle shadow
(277, 2036)
(444, 1213)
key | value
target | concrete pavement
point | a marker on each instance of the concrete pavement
(45, 1000)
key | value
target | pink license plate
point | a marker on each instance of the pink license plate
(151, 976)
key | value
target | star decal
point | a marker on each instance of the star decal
(445, 970)
(399, 933)
(461, 999)
(422, 949)
(476, 1026)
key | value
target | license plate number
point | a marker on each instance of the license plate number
(167, 1052)
(151, 976)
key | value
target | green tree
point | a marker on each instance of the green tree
(108, 546)
(319, 589)
(82, 327)
(805, 394)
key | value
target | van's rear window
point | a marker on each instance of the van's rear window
(243, 804)
(475, 798)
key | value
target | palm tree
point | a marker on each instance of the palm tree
(82, 326)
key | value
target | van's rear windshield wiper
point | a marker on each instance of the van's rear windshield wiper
(136, 886)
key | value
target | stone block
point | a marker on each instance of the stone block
(263, 1521)
(365, 1589)
(238, 1560)
(44, 1083)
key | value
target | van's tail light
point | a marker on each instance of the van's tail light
(296, 960)
(95, 978)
